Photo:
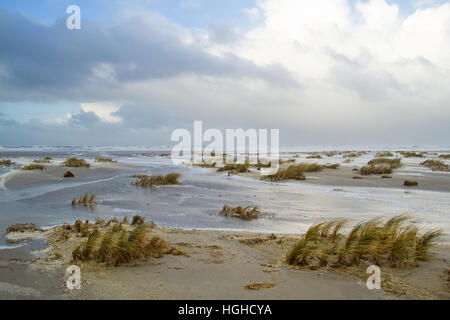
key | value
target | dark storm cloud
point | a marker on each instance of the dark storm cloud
(85, 119)
(41, 62)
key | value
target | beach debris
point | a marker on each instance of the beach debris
(410, 183)
(176, 252)
(21, 227)
(357, 177)
(386, 176)
(75, 163)
(143, 180)
(245, 213)
(259, 286)
(68, 174)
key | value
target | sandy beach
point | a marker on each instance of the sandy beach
(219, 265)
(222, 255)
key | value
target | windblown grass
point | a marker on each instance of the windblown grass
(241, 168)
(6, 163)
(354, 154)
(145, 181)
(108, 160)
(380, 166)
(205, 165)
(396, 242)
(86, 200)
(314, 156)
(21, 227)
(75, 163)
(294, 172)
(43, 160)
(33, 166)
(117, 246)
(435, 165)
(376, 169)
(245, 213)
(395, 163)
(412, 154)
(444, 156)
(384, 154)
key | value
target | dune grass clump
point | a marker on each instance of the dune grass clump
(145, 181)
(376, 169)
(395, 163)
(314, 156)
(107, 160)
(380, 166)
(294, 172)
(412, 154)
(43, 160)
(384, 154)
(6, 163)
(205, 165)
(21, 227)
(75, 163)
(86, 200)
(396, 242)
(244, 213)
(33, 166)
(331, 153)
(240, 168)
(354, 154)
(435, 165)
(117, 246)
(444, 156)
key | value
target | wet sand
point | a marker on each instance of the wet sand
(219, 265)
(343, 177)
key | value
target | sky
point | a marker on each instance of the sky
(324, 72)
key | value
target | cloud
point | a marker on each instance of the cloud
(325, 71)
(47, 63)
(103, 111)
